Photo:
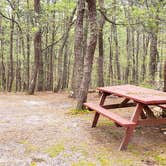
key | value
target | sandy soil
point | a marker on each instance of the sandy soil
(42, 130)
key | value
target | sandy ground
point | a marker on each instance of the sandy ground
(42, 130)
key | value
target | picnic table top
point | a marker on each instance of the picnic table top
(136, 93)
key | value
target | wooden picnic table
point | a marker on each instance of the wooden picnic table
(142, 116)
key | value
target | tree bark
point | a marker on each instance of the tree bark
(89, 54)
(3, 76)
(60, 54)
(164, 75)
(11, 68)
(37, 49)
(78, 48)
(100, 80)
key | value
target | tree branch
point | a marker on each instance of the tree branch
(52, 44)
(114, 23)
(11, 19)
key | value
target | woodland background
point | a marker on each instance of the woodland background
(40, 42)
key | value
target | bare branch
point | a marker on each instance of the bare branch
(114, 23)
(11, 19)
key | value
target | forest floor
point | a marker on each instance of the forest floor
(43, 130)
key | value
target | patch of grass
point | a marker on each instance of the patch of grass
(55, 150)
(83, 149)
(33, 164)
(104, 160)
(84, 163)
(28, 146)
(76, 111)
(126, 162)
(106, 122)
(160, 159)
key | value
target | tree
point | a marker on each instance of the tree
(37, 48)
(78, 51)
(164, 76)
(100, 80)
(88, 61)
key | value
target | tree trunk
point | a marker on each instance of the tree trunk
(78, 48)
(115, 36)
(65, 67)
(89, 54)
(60, 54)
(26, 85)
(128, 48)
(37, 49)
(11, 68)
(137, 58)
(100, 80)
(110, 66)
(164, 75)
(145, 49)
(3, 76)
(133, 55)
(153, 56)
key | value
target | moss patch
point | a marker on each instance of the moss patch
(28, 146)
(160, 159)
(76, 111)
(81, 149)
(55, 150)
(33, 164)
(84, 163)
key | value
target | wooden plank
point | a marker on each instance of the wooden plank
(112, 106)
(162, 106)
(136, 93)
(112, 116)
(152, 122)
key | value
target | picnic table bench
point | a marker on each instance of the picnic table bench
(142, 116)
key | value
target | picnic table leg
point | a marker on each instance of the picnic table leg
(96, 117)
(95, 120)
(130, 129)
(126, 139)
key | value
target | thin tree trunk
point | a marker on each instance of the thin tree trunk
(133, 55)
(11, 68)
(65, 67)
(3, 76)
(100, 80)
(145, 50)
(60, 54)
(110, 66)
(164, 75)
(128, 48)
(137, 58)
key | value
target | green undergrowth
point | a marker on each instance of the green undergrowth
(28, 146)
(105, 122)
(77, 111)
(160, 159)
(84, 163)
(55, 150)
(82, 148)
(33, 164)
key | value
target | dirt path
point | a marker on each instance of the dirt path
(40, 130)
